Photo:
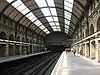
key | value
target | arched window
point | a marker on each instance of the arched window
(3, 35)
(18, 38)
(98, 24)
(86, 32)
(23, 39)
(30, 40)
(83, 34)
(27, 40)
(91, 29)
(11, 37)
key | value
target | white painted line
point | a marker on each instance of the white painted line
(65, 65)
(65, 72)
(56, 68)
(61, 66)
(65, 60)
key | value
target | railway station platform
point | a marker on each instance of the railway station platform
(12, 58)
(68, 64)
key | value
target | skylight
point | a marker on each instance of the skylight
(53, 11)
(55, 18)
(55, 29)
(21, 7)
(49, 19)
(45, 30)
(57, 23)
(48, 11)
(10, 1)
(42, 27)
(25, 11)
(67, 22)
(59, 29)
(52, 23)
(41, 3)
(68, 5)
(50, 2)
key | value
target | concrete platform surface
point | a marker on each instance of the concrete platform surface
(11, 58)
(68, 64)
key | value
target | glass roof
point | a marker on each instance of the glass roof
(49, 13)
(10, 1)
(68, 5)
(21, 7)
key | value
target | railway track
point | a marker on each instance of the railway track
(39, 65)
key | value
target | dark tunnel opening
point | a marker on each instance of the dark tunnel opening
(56, 48)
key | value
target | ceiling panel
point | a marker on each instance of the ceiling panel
(33, 14)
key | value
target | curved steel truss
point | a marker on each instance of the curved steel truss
(46, 16)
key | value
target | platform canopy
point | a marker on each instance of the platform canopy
(45, 16)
